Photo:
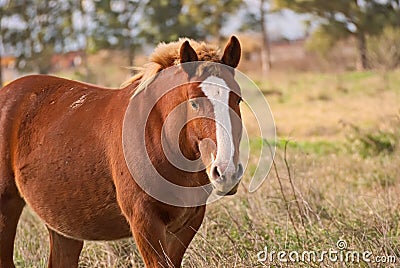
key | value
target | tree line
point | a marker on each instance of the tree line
(341, 19)
(34, 30)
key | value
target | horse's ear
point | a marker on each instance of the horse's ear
(187, 53)
(232, 53)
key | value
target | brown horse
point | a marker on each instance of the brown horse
(62, 153)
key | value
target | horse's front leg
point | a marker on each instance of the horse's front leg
(150, 236)
(64, 252)
(179, 240)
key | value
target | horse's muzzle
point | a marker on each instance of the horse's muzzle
(228, 186)
(231, 192)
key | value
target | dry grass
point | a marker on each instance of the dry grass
(334, 191)
(311, 106)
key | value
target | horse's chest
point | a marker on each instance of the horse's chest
(182, 220)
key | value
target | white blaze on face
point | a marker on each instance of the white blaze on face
(217, 92)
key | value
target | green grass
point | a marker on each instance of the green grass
(320, 147)
(358, 76)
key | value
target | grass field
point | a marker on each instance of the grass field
(336, 177)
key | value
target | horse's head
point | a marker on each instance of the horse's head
(192, 121)
(214, 126)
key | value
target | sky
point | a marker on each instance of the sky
(287, 24)
(283, 24)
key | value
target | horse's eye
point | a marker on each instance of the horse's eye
(194, 104)
(239, 101)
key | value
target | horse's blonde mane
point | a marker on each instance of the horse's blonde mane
(168, 54)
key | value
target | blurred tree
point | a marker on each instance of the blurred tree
(256, 20)
(265, 49)
(2, 5)
(340, 19)
(36, 29)
(211, 16)
(384, 51)
(128, 24)
(117, 26)
(168, 20)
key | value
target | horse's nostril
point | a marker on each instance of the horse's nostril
(215, 172)
(239, 172)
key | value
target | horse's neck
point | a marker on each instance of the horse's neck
(129, 90)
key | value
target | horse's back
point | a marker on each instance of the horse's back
(53, 141)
